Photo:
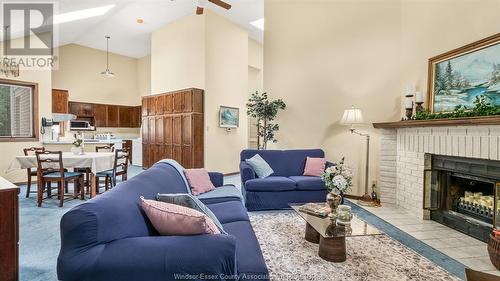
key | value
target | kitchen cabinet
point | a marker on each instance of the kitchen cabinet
(173, 128)
(107, 115)
(100, 115)
(60, 101)
(112, 113)
(9, 231)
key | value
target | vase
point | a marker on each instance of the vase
(333, 201)
(77, 150)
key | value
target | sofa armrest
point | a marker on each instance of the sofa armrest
(246, 172)
(216, 178)
(329, 164)
(153, 258)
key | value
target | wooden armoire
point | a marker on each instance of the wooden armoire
(172, 127)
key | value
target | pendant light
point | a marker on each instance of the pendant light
(107, 72)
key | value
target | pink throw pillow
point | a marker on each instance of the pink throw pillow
(314, 166)
(199, 181)
(171, 219)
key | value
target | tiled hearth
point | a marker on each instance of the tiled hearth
(470, 252)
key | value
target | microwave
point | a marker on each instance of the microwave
(80, 125)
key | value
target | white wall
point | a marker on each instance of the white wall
(210, 53)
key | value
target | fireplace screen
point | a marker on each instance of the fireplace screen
(463, 194)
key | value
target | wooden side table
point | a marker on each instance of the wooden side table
(9, 231)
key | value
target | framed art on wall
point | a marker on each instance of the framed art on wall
(459, 76)
(229, 117)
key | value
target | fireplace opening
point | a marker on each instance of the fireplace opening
(460, 193)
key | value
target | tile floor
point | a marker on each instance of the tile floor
(465, 249)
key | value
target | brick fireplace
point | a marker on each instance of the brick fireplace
(406, 152)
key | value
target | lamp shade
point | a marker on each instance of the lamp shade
(352, 116)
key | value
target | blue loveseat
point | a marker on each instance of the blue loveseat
(110, 238)
(286, 185)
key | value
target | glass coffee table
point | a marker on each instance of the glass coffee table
(331, 237)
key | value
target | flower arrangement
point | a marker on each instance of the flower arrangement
(338, 178)
(77, 142)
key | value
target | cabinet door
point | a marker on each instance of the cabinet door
(59, 101)
(197, 100)
(187, 156)
(125, 114)
(177, 153)
(144, 108)
(145, 155)
(178, 102)
(167, 130)
(145, 130)
(177, 130)
(152, 127)
(151, 106)
(100, 115)
(112, 113)
(87, 109)
(159, 130)
(75, 108)
(197, 139)
(169, 104)
(160, 105)
(167, 151)
(187, 105)
(187, 130)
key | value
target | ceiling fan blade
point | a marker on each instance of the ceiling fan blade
(199, 10)
(221, 4)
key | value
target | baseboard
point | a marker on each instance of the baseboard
(231, 174)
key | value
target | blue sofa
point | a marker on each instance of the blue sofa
(286, 185)
(110, 238)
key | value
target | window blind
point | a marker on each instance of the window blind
(16, 111)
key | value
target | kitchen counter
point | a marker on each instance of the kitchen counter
(90, 141)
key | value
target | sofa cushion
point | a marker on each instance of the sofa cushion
(190, 201)
(260, 166)
(270, 184)
(284, 162)
(314, 166)
(199, 181)
(308, 183)
(171, 219)
(251, 264)
(227, 212)
(221, 194)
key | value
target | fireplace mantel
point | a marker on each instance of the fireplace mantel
(470, 121)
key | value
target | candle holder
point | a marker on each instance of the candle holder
(419, 107)
(409, 110)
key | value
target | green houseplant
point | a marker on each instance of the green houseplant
(265, 111)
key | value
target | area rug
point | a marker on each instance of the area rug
(289, 257)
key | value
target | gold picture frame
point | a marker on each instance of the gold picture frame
(456, 54)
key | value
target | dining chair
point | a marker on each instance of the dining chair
(120, 168)
(51, 169)
(31, 174)
(105, 148)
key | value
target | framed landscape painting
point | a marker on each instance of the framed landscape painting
(459, 76)
(229, 117)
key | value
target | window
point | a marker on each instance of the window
(17, 111)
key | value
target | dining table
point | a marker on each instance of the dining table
(94, 161)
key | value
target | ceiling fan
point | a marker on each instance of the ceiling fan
(202, 4)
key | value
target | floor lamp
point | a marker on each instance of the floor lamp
(351, 117)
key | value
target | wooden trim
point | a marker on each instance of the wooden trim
(469, 48)
(231, 174)
(353, 197)
(470, 121)
(172, 92)
(35, 124)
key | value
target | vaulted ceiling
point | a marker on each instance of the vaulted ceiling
(132, 39)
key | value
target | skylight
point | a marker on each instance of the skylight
(82, 14)
(258, 23)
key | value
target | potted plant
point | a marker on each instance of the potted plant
(265, 111)
(338, 181)
(77, 148)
